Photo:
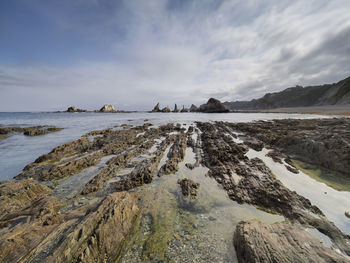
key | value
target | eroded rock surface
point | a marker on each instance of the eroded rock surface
(324, 142)
(257, 242)
(93, 221)
(99, 236)
(256, 185)
(188, 187)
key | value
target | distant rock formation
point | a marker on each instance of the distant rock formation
(175, 108)
(156, 108)
(193, 108)
(107, 108)
(184, 109)
(166, 109)
(74, 109)
(213, 106)
(298, 96)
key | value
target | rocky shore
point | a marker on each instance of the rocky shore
(28, 131)
(99, 198)
(324, 142)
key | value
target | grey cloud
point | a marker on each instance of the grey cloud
(187, 51)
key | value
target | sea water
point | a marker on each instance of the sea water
(19, 150)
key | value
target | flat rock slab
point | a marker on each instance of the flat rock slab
(258, 242)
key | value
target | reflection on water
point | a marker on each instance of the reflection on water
(184, 229)
(333, 203)
(19, 150)
(335, 180)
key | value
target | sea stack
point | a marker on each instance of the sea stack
(107, 108)
(74, 109)
(175, 108)
(156, 108)
(193, 108)
(166, 109)
(184, 109)
(213, 106)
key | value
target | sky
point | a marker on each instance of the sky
(135, 53)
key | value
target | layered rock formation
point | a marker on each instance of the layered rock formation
(213, 106)
(38, 224)
(257, 242)
(324, 142)
(250, 181)
(87, 215)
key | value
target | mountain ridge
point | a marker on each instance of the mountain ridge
(298, 96)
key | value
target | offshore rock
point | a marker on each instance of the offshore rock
(213, 106)
(156, 108)
(15, 196)
(184, 109)
(347, 214)
(74, 109)
(175, 108)
(166, 109)
(107, 108)
(257, 242)
(193, 108)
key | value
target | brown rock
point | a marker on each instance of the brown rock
(100, 235)
(188, 187)
(257, 242)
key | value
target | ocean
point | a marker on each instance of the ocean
(19, 150)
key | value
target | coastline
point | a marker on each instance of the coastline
(131, 173)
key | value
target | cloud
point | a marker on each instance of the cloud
(135, 53)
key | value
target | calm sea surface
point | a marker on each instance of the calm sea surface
(19, 150)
